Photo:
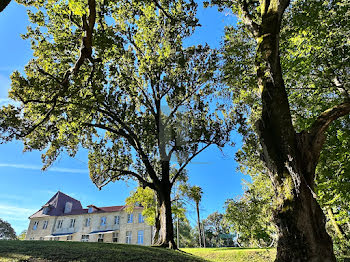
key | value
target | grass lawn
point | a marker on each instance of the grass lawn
(232, 254)
(45, 251)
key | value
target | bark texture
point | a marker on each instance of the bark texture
(290, 157)
(164, 235)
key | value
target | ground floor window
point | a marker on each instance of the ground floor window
(128, 237)
(84, 238)
(100, 237)
(115, 236)
(56, 238)
(41, 238)
(140, 237)
(69, 237)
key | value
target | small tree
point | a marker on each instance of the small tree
(194, 193)
(23, 235)
(115, 78)
(6, 230)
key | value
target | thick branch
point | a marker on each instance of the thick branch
(321, 124)
(247, 18)
(142, 181)
(3, 4)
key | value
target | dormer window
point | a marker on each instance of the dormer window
(46, 210)
(68, 207)
(90, 210)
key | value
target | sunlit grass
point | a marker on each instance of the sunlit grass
(233, 254)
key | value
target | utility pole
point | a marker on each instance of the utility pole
(203, 232)
(177, 219)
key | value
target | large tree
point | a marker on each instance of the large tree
(6, 230)
(114, 77)
(290, 100)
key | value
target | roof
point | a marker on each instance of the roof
(57, 205)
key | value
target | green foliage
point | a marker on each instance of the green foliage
(214, 226)
(314, 51)
(147, 199)
(186, 233)
(251, 215)
(6, 230)
(23, 235)
(139, 100)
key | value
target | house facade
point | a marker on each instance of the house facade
(63, 218)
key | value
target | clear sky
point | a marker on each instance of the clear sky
(24, 188)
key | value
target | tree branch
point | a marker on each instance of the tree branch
(247, 18)
(142, 181)
(322, 122)
(187, 162)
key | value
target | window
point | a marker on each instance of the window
(45, 224)
(87, 222)
(68, 207)
(103, 221)
(69, 237)
(140, 237)
(115, 237)
(46, 210)
(100, 237)
(90, 210)
(129, 218)
(72, 222)
(128, 237)
(35, 226)
(41, 238)
(116, 220)
(56, 238)
(84, 238)
(141, 220)
(59, 223)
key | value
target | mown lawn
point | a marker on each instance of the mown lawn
(45, 251)
(232, 254)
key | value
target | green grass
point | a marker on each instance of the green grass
(231, 254)
(45, 251)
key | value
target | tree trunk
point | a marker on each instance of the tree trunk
(199, 226)
(164, 235)
(291, 158)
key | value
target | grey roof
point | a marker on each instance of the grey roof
(57, 204)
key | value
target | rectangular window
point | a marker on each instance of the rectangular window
(72, 222)
(100, 237)
(84, 238)
(128, 237)
(35, 226)
(87, 222)
(69, 237)
(41, 238)
(129, 218)
(56, 238)
(140, 237)
(141, 220)
(116, 220)
(45, 224)
(59, 223)
(115, 237)
(103, 221)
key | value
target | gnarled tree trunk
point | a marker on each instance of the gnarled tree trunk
(290, 157)
(164, 235)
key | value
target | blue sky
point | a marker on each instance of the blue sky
(24, 188)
